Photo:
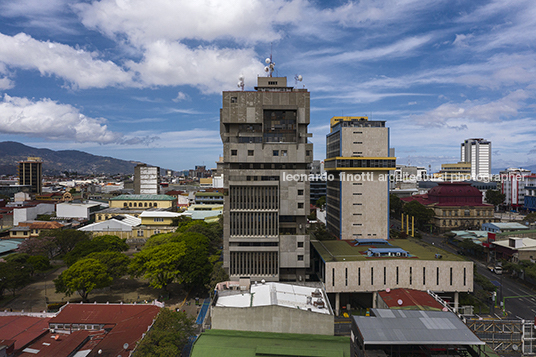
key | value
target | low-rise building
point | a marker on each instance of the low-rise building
(515, 249)
(271, 307)
(158, 218)
(32, 229)
(456, 205)
(352, 271)
(502, 227)
(120, 225)
(411, 333)
(143, 202)
(213, 198)
(84, 211)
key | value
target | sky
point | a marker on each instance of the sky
(142, 79)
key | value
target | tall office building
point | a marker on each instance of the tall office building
(358, 165)
(478, 153)
(146, 180)
(31, 174)
(265, 152)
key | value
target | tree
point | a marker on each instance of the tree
(83, 277)
(116, 262)
(105, 243)
(217, 276)
(168, 336)
(42, 245)
(13, 276)
(38, 263)
(65, 239)
(422, 214)
(195, 266)
(395, 205)
(531, 217)
(180, 220)
(320, 202)
(159, 264)
(159, 239)
(495, 197)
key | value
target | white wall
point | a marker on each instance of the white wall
(30, 213)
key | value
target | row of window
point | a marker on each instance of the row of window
(397, 276)
(234, 152)
(140, 204)
(467, 213)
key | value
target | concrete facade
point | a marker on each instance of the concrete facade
(375, 275)
(272, 319)
(30, 173)
(146, 180)
(358, 165)
(264, 135)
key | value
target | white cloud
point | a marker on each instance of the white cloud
(211, 69)
(181, 96)
(493, 111)
(48, 119)
(77, 67)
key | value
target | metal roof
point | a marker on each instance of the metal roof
(412, 327)
(7, 245)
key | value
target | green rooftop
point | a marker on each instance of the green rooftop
(228, 343)
(516, 233)
(143, 198)
(339, 250)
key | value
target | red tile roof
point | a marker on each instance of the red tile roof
(57, 345)
(409, 298)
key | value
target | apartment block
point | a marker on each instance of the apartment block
(146, 180)
(358, 164)
(478, 153)
(266, 156)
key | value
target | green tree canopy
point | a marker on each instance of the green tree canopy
(159, 239)
(495, 197)
(159, 264)
(320, 202)
(168, 336)
(531, 217)
(395, 204)
(116, 262)
(105, 243)
(217, 275)
(83, 277)
(65, 239)
(13, 276)
(422, 214)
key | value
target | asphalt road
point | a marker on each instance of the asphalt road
(516, 307)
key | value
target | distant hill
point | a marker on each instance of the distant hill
(55, 162)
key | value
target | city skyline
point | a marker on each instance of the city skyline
(140, 80)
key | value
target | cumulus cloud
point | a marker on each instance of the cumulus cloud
(211, 69)
(77, 67)
(48, 119)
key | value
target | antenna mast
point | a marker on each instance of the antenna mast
(269, 69)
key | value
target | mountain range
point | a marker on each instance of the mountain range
(56, 162)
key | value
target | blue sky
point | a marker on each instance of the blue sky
(142, 79)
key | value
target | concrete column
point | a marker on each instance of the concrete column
(374, 297)
(456, 301)
(337, 303)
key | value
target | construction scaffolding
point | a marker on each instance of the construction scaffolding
(506, 335)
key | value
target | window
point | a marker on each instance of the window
(451, 276)
(410, 275)
(124, 204)
(307, 152)
(396, 275)
(157, 231)
(300, 192)
(371, 275)
(276, 153)
(466, 213)
(300, 257)
(283, 152)
(158, 219)
(384, 275)
(333, 277)
(234, 99)
(25, 233)
(234, 152)
(300, 244)
(358, 276)
(437, 276)
(300, 204)
(140, 233)
(250, 152)
(464, 276)
(130, 204)
(423, 276)
(346, 276)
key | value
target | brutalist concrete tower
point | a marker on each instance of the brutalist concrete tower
(265, 164)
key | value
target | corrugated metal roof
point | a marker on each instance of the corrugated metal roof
(7, 245)
(413, 327)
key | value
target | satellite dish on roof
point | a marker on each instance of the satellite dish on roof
(387, 290)
(400, 302)
(125, 346)
(445, 309)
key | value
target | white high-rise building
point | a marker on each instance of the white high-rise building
(478, 153)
